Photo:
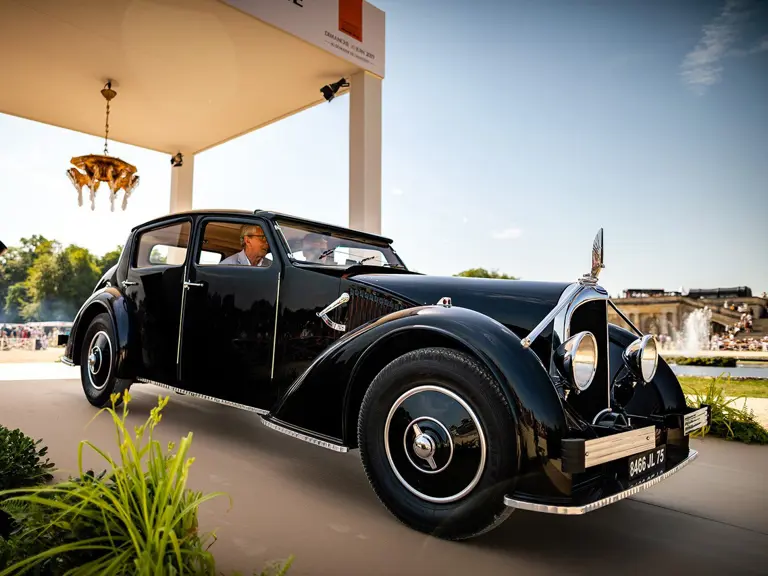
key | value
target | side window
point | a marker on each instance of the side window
(166, 246)
(234, 244)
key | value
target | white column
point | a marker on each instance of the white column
(182, 179)
(365, 152)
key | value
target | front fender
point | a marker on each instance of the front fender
(111, 301)
(663, 395)
(324, 401)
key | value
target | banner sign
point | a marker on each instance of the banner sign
(350, 29)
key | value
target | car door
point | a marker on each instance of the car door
(230, 312)
(153, 292)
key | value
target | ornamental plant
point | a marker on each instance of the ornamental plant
(138, 517)
(23, 461)
(728, 420)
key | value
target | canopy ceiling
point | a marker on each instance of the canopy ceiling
(189, 74)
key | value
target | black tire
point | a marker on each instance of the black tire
(457, 494)
(98, 375)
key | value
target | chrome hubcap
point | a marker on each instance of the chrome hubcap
(434, 444)
(99, 360)
(424, 446)
(428, 445)
(94, 360)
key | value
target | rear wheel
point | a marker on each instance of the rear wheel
(438, 443)
(98, 363)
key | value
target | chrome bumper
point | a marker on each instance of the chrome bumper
(696, 420)
(575, 510)
(580, 454)
(65, 360)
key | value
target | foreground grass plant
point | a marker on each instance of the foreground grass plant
(138, 518)
(728, 420)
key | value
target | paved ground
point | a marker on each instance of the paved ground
(292, 497)
(17, 355)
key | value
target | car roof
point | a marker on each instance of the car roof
(325, 225)
(270, 215)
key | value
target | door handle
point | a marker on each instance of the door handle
(127, 283)
(187, 284)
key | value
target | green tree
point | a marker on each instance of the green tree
(14, 269)
(58, 284)
(15, 301)
(157, 256)
(41, 281)
(484, 273)
(109, 259)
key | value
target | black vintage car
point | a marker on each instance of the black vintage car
(467, 398)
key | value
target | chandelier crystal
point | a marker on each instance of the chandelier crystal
(97, 168)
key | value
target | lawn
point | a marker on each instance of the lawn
(748, 388)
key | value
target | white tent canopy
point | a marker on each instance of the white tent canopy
(192, 74)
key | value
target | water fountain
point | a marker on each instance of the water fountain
(695, 334)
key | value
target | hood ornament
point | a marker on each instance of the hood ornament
(597, 261)
(572, 291)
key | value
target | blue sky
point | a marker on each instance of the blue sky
(512, 132)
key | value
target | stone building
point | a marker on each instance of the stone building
(659, 312)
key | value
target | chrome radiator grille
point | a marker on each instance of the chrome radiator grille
(366, 305)
(593, 317)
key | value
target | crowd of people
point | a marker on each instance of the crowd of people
(736, 336)
(745, 322)
(730, 341)
(29, 337)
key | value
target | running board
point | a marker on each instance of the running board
(262, 413)
(304, 437)
(204, 397)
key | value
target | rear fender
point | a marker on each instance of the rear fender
(111, 301)
(325, 400)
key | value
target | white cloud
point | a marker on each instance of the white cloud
(760, 46)
(397, 191)
(702, 68)
(508, 234)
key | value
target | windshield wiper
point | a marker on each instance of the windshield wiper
(385, 263)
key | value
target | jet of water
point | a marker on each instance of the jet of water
(695, 335)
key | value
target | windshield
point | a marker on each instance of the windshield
(317, 246)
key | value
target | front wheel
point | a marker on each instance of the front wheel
(98, 363)
(438, 443)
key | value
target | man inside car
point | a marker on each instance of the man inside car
(313, 246)
(255, 248)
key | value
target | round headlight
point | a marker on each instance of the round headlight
(642, 357)
(577, 360)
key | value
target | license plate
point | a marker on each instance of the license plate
(647, 462)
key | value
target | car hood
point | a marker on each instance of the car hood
(519, 305)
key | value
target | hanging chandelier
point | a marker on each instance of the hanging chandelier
(97, 168)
